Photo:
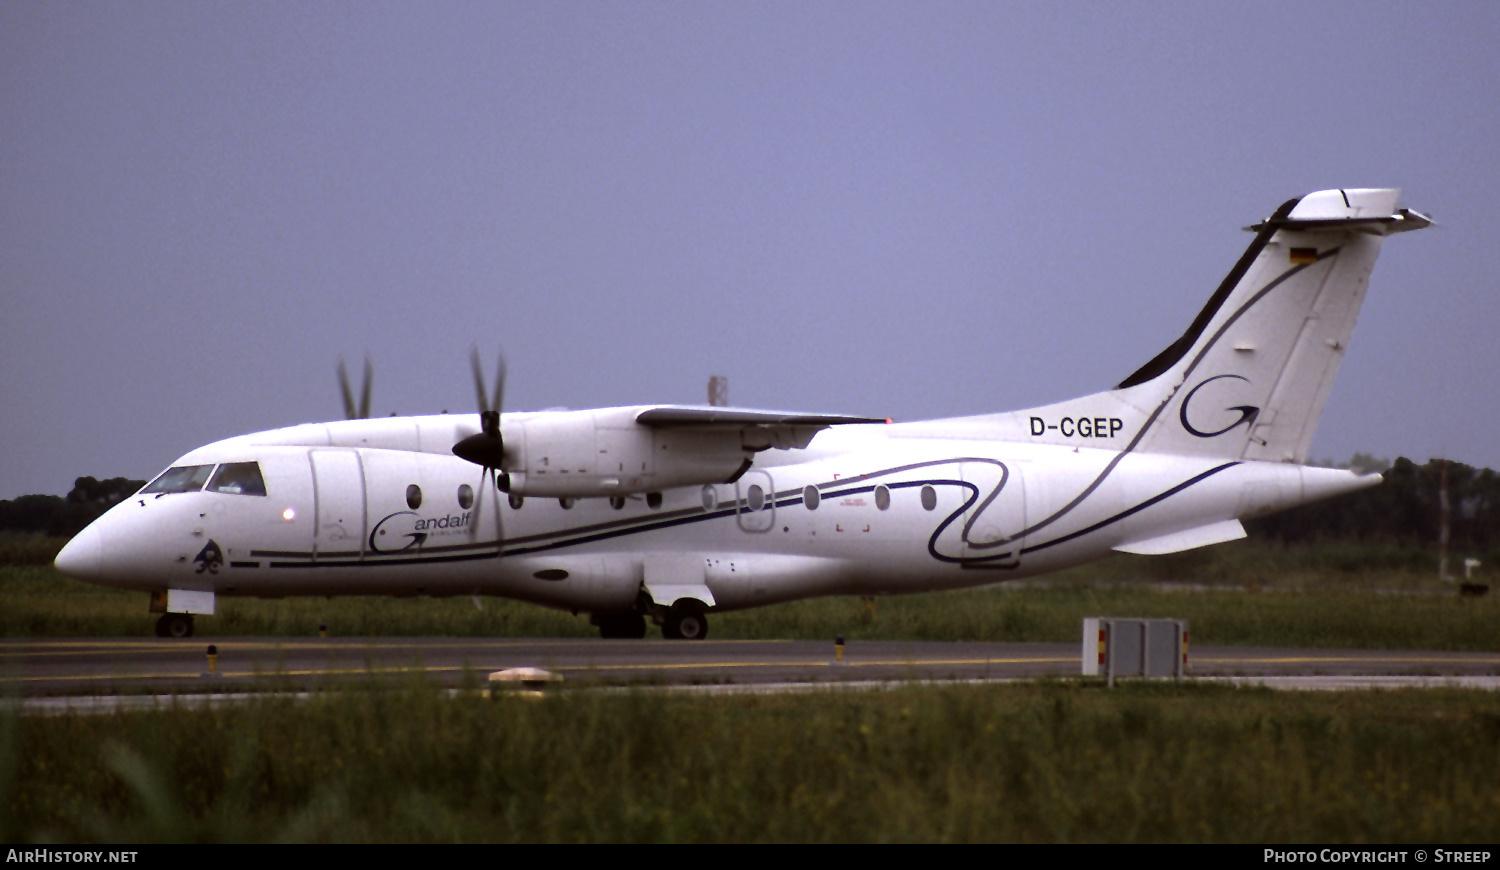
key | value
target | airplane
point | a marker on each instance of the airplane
(669, 513)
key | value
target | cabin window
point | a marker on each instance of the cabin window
(883, 497)
(414, 496)
(465, 496)
(710, 497)
(179, 478)
(811, 497)
(929, 498)
(238, 478)
(516, 500)
(755, 497)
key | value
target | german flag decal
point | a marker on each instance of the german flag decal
(1303, 256)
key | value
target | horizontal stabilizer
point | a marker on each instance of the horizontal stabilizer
(1191, 539)
(1367, 210)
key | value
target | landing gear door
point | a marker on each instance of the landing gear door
(994, 520)
(339, 496)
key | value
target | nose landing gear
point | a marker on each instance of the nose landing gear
(685, 621)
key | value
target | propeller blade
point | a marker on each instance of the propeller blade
(499, 386)
(487, 476)
(478, 379)
(347, 393)
(500, 530)
(364, 395)
(478, 504)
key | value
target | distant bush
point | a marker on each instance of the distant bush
(65, 517)
(17, 548)
(1405, 509)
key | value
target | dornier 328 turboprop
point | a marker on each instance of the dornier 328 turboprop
(670, 513)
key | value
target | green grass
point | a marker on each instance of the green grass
(399, 761)
(19, 548)
(1039, 763)
(1330, 619)
(1331, 595)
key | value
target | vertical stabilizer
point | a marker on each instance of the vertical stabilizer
(1250, 376)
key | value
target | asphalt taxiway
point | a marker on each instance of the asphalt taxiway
(98, 667)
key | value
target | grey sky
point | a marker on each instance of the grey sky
(911, 210)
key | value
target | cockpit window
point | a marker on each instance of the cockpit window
(238, 478)
(180, 478)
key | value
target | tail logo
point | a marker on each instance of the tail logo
(1247, 412)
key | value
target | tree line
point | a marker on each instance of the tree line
(65, 516)
(1405, 509)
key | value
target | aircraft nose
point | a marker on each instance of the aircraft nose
(83, 557)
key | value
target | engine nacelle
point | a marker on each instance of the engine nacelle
(597, 454)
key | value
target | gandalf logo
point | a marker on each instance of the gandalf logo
(413, 529)
(1247, 412)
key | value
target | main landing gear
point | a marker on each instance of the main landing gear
(685, 620)
(175, 625)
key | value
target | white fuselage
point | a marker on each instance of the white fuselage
(866, 509)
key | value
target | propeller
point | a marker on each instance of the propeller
(486, 448)
(363, 411)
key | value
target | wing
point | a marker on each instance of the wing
(760, 430)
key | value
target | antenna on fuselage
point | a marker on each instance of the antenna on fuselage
(718, 390)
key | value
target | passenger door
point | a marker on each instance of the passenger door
(339, 496)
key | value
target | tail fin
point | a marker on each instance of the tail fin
(1250, 376)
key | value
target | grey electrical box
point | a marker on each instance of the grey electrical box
(1114, 647)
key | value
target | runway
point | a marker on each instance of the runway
(129, 666)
